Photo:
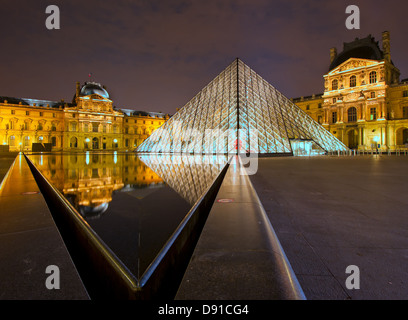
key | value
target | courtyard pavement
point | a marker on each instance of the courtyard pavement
(332, 212)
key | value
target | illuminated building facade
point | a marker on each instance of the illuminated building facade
(90, 122)
(364, 103)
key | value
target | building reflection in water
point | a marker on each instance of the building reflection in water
(88, 180)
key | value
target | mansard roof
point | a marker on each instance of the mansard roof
(366, 48)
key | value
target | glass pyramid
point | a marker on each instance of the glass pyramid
(238, 112)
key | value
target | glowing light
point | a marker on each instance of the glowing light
(87, 140)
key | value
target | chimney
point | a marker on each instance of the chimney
(386, 46)
(77, 88)
(333, 54)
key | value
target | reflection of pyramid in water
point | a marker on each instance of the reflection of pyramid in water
(238, 98)
(189, 176)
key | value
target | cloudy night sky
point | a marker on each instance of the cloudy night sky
(155, 55)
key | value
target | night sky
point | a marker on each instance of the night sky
(156, 55)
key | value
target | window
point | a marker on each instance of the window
(353, 81)
(13, 112)
(73, 126)
(405, 112)
(320, 119)
(373, 113)
(40, 126)
(41, 114)
(335, 85)
(334, 100)
(372, 95)
(27, 113)
(104, 129)
(12, 141)
(307, 107)
(86, 129)
(53, 115)
(53, 128)
(373, 77)
(26, 126)
(54, 141)
(319, 106)
(95, 127)
(352, 114)
(334, 116)
(404, 94)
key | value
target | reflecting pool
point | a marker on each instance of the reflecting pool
(134, 203)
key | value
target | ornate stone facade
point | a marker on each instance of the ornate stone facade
(364, 103)
(90, 122)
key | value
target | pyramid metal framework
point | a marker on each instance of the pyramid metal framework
(238, 112)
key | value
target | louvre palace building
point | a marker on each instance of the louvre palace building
(89, 122)
(364, 104)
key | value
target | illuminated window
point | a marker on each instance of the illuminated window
(353, 81)
(373, 77)
(335, 85)
(334, 116)
(373, 113)
(352, 114)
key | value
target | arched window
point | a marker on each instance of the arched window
(405, 136)
(352, 114)
(353, 81)
(335, 85)
(373, 77)
(74, 142)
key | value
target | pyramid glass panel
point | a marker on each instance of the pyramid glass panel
(239, 112)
